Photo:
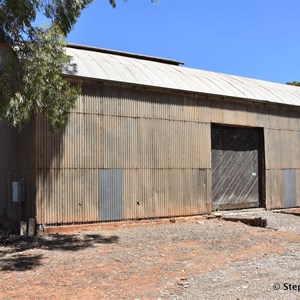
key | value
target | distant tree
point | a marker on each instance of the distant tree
(296, 83)
(33, 59)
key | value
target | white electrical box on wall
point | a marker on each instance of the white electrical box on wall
(18, 191)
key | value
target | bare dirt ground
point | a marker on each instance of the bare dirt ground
(195, 258)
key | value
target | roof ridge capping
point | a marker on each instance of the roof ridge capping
(127, 54)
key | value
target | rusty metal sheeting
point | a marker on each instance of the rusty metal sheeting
(113, 99)
(164, 192)
(49, 150)
(290, 149)
(148, 143)
(283, 188)
(123, 100)
(164, 164)
(274, 191)
(278, 117)
(67, 195)
(253, 114)
(294, 120)
(97, 65)
(158, 140)
(272, 149)
(97, 141)
(282, 149)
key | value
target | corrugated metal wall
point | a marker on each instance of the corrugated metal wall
(282, 157)
(161, 146)
(17, 161)
(160, 142)
(282, 141)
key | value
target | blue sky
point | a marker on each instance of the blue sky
(252, 38)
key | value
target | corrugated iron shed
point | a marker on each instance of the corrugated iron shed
(150, 71)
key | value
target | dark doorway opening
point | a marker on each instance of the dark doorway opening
(237, 167)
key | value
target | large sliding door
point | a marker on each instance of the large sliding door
(235, 167)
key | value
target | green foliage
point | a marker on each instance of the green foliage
(40, 86)
(64, 13)
(33, 59)
(296, 83)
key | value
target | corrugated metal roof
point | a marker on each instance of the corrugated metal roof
(112, 66)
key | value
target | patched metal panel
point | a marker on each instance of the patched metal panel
(274, 193)
(235, 167)
(289, 188)
(110, 194)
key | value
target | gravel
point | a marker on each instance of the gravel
(192, 258)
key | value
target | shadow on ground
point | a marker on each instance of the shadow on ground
(16, 245)
(20, 262)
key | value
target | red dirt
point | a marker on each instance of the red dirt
(148, 260)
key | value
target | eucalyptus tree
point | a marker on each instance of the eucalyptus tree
(295, 83)
(33, 59)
